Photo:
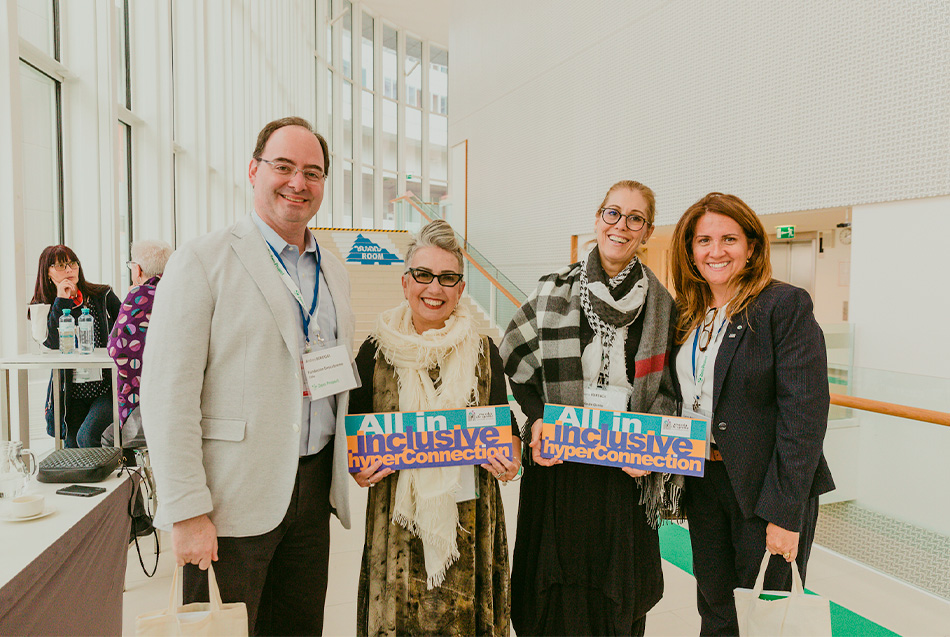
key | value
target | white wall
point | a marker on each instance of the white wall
(792, 106)
(899, 306)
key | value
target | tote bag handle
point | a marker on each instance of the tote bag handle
(797, 587)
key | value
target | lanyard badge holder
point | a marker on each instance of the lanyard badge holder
(327, 370)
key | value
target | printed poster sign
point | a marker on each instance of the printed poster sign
(666, 444)
(367, 252)
(418, 439)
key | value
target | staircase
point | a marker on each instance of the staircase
(375, 261)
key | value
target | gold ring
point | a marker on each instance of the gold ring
(786, 555)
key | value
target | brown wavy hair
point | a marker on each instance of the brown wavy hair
(45, 289)
(693, 295)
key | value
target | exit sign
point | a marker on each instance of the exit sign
(784, 232)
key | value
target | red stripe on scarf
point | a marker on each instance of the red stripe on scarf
(650, 365)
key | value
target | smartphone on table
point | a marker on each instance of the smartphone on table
(81, 490)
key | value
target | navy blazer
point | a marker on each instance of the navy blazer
(770, 406)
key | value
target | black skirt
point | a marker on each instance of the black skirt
(586, 561)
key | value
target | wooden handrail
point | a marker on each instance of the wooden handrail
(477, 265)
(890, 409)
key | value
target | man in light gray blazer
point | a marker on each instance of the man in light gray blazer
(248, 463)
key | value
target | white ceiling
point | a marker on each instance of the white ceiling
(428, 19)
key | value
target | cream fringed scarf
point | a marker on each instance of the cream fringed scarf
(425, 498)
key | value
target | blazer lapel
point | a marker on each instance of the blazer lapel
(738, 326)
(251, 249)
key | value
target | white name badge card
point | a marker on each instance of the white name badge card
(329, 371)
(611, 397)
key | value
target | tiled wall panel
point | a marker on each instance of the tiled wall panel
(792, 106)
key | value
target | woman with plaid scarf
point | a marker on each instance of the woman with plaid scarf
(597, 333)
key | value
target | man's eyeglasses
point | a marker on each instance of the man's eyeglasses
(313, 175)
(610, 216)
(446, 279)
(69, 265)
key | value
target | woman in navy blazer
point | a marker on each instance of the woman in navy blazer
(751, 359)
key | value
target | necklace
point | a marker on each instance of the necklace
(704, 332)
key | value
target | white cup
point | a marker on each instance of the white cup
(26, 506)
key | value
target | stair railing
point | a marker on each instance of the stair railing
(495, 293)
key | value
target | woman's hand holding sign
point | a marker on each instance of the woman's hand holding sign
(371, 475)
(536, 447)
(501, 467)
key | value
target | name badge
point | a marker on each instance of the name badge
(328, 371)
(611, 398)
(87, 374)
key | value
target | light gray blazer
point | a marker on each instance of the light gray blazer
(221, 386)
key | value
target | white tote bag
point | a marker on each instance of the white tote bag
(201, 619)
(793, 614)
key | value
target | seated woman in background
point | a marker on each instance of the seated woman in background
(85, 396)
(752, 360)
(127, 339)
(448, 575)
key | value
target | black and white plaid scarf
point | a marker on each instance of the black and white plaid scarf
(610, 303)
(545, 335)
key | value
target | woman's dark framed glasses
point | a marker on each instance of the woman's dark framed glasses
(446, 279)
(611, 216)
(62, 267)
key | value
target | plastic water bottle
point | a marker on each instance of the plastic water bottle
(87, 337)
(67, 333)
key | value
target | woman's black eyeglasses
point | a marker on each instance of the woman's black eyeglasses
(634, 221)
(446, 279)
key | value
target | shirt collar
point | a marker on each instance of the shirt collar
(275, 240)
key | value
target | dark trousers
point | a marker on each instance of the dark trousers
(87, 419)
(728, 549)
(281, 575)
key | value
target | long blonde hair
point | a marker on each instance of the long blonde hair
(693, 295)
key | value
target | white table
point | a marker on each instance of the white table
(49, 361)
(64, 573)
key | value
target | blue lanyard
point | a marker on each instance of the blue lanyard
(305, 318)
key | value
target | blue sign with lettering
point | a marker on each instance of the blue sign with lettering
(366, 252)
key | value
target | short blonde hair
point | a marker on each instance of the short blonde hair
(435, 234)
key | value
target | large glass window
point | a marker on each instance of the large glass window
(437, 190)
(414, 72)
(413, 141)
(329, 132)
(347, 109)
(390, 137)
(367, 125)
(41, 159)
(366, 52)
(368, 201)
(347, 221)
(37, 22)
(389, 193)
(439, 80)
(438, 147)
(387, 104)
(347, 48)
(390, 80)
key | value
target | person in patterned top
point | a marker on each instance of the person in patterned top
(127, 340)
